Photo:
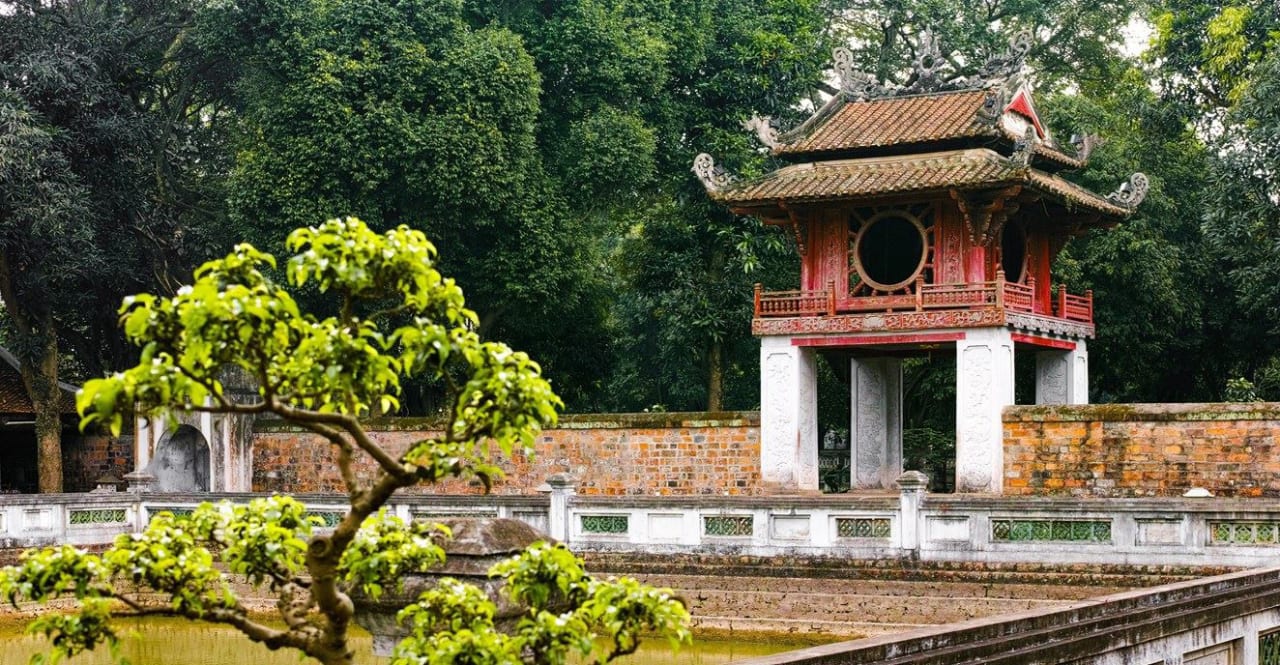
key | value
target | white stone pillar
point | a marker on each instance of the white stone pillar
(788, 416)
(875, 428)
(911, 487)
(984, 386)
(1062, 377)
(1078, 374)
(141, 442)
(563, 487)
(1052, 382)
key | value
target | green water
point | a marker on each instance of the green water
(176, 642)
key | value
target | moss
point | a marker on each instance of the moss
(659, 420)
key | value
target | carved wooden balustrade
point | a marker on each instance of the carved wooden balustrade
(997, 294)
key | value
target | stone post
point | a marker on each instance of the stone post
(788, 416)
(140, 481)
(984, 386)
(912, 486)
(1062, 377)
(875, 430)
(563, 486)
(1078, 374)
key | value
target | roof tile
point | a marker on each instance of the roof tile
(866, 178)
(895, 121)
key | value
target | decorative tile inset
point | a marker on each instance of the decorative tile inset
(99, 516)
(1049, 530)
(863, 527)
(605, 524)
(728, 525)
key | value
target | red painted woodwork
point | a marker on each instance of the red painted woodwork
(1038, 262)
(960, 276)
(879, 340)
(1021, 105)
(826, 259)
(949, 254)
(1046, 342)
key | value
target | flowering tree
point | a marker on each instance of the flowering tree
(397, 317)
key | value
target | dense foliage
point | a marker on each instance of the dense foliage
(547, 145)
(103, 175)
(399, 317)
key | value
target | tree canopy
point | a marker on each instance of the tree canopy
(101, 181)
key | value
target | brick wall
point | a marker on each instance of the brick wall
(88, 457)
(1126, 450)
(621, 454)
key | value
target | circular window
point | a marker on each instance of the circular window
(890, 250)
(1013, 252)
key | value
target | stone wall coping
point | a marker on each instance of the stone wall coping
(152, 499)
(86, 499)
(886, 501)
(1223, 411)
(1025, 636)
(657, 420)
(773, 503)
(1065, 504)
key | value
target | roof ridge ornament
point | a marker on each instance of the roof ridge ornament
(1024, 148)
(1010, 63)
(1086, 144)
(714, 178)
(765, 132)
(992, 107)
(1131, 192)
(860, 86)
(857, 85)
(928, 62)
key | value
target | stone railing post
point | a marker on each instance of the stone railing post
(563, 486)
(912, 486)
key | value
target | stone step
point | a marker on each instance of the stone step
(806, 628)
(853, 608)
(879, 587)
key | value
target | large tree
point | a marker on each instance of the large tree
(97, 134)
(404, 112)
(667, 80)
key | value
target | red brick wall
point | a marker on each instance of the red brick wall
(620, 454)
(88, 457)
(1126, 450)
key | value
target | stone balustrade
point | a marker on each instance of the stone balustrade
(907, 525)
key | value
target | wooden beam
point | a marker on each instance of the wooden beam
(879, 340)
(1046, 342)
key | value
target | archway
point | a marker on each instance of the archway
(181, 462)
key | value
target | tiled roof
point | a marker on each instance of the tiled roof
(893, 121)
(13, 395)
(883, 176)
(845, 126)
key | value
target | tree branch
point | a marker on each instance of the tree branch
(344, 455)
(352, 426)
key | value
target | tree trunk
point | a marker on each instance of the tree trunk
(715, 377)
(40, 375)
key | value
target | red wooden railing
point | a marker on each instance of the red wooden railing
(1001, 294)
(1020, 297)
(958, 296)
(1074, 308)
(796, 303)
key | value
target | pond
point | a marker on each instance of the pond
(173, 642)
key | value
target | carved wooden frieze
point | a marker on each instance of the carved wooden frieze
(879, 321)
(1050, 325)
(986, 211)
